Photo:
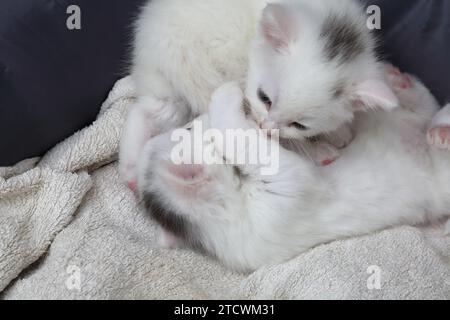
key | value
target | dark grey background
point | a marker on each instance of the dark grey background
(53, 80)
(415, 36)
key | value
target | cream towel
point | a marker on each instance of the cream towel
(109, 249)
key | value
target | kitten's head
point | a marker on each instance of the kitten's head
(311, 69)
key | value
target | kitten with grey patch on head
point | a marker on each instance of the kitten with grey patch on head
(306, 66)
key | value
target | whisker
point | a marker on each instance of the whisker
(305, 151)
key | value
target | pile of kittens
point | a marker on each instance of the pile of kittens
(365, 147)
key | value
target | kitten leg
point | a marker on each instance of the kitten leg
(415, 96)
(167, 240)
(447, 228)
(411, 92)
(327, 150)
(396, 78)
(134, 136)
(147, 118)
(439, 133)
(226, 110)
(226, 113)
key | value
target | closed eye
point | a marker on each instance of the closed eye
(298, 126)
(264, 98)
(189, 126)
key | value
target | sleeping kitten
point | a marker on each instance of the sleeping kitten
(387, 176)
(307, 65)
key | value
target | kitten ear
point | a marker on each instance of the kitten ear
(278, 27)
(374, 93)
(186, 171)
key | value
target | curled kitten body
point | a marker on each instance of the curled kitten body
(387, 176)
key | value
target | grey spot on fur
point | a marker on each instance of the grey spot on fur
(240, 174)
(338, 90)
(246, 107)
(171, 221)
(167, 219)
(343, 39)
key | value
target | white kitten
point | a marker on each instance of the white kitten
(308, 65)
(388, 176)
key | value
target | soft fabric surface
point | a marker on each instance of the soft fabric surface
(70, 230)
(34, 208)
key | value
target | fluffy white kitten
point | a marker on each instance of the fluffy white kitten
(388, 176)
(306, 66)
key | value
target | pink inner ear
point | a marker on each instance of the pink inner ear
(278, 27)
(375, 93)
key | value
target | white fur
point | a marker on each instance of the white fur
(388, 176)
(184, 50)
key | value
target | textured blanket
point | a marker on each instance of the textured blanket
(70, 230)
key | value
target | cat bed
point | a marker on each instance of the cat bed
(80, 229)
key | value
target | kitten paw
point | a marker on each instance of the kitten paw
(398, 80)
(439, 137)
(128, 174)
(226, 110)
(412, 94)
(230, 94)
(167, 240)
(342, 137)
(325, 154)
(132, 185)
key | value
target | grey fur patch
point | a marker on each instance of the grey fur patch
(343, 39)
(247, 108)
(240, 174)
(171, 221)
(338, 90)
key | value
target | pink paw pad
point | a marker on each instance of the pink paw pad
(405, 82)
(393, 71)
(439, 137)
(327, 162)
(400, 80)
(187, 172)
(325, 155)
(132, 185)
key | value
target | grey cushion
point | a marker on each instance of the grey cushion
(53, 80)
